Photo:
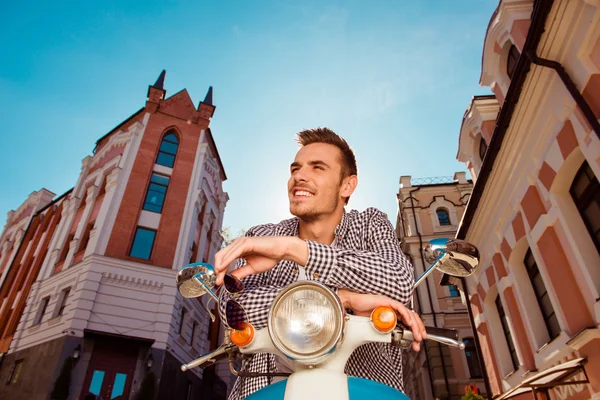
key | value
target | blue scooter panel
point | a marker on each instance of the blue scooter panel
(359, 389)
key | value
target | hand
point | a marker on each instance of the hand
(261, 254)
(364, 304)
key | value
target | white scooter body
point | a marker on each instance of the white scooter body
(326, 380)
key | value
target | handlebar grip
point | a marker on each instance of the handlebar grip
(442, 332)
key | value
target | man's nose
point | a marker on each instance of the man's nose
(300, 175)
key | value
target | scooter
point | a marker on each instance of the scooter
(310, 332)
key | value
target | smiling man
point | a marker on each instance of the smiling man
(356, 253)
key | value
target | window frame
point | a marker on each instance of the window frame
(589, 195)
(533, 273)
(135, 235)
(152, 188)
(167, 139)
(514, 357)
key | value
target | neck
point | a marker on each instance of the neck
(321, 229)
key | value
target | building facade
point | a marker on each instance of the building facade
(428, 209)
(533, 149)
(88, 302)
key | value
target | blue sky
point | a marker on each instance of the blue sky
(392, 77)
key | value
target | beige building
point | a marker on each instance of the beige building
(533, 150)
(427, 209)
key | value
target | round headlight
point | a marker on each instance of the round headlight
(306, 321)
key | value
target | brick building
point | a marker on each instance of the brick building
(88, 278)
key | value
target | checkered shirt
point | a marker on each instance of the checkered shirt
(365, 258)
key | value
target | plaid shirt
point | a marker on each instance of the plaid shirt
(365, 257)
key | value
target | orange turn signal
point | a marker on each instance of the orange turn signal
(243, 337)
(384, 319)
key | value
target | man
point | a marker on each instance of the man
(356, 253)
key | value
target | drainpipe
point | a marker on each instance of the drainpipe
(486, 379)
(412, 206)
(570, 86)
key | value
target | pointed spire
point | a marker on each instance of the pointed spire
(160, 82)
(209, 97)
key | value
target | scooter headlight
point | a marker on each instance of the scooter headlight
(306, 322)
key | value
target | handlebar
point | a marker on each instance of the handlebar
(221, 353)
(445, 336)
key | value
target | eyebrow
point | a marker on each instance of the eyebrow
(313, 163)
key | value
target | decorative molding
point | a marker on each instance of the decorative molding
(124, 280)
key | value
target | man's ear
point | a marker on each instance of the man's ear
(349, 185)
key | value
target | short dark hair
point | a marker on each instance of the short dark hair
(326, 135)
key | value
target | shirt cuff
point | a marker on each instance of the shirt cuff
(321, 261)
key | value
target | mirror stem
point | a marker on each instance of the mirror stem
(431, 268)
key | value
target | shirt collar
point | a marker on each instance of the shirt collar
(338, 233)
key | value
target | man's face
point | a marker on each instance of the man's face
(315, 181)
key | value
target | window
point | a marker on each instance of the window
(157, 191)
(182, 320)
(509, 340)
(13, 377)
(168, 150)
(453, 291)
(511, 61)
(41, 310)
(443, 216)
(142, 243)
(472, 359)
(194, 252)
(65, 250)
(85, 239)
(585, 191)
(64, 295)
(482, 148)
(541, 294)
(194, 326)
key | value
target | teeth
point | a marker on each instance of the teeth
(303, 193)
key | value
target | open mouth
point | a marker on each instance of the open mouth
(302, 193)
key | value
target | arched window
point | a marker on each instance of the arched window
(168, 150)
(585, 191)
(482, 148)
(443, 216)
(511, 61)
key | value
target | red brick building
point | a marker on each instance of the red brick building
(88, 278)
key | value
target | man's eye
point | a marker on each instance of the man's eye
(318, 167)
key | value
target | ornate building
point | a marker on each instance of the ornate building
(87, 298)
(427, 209)
(533, 150)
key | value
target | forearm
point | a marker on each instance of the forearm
(387, 273)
